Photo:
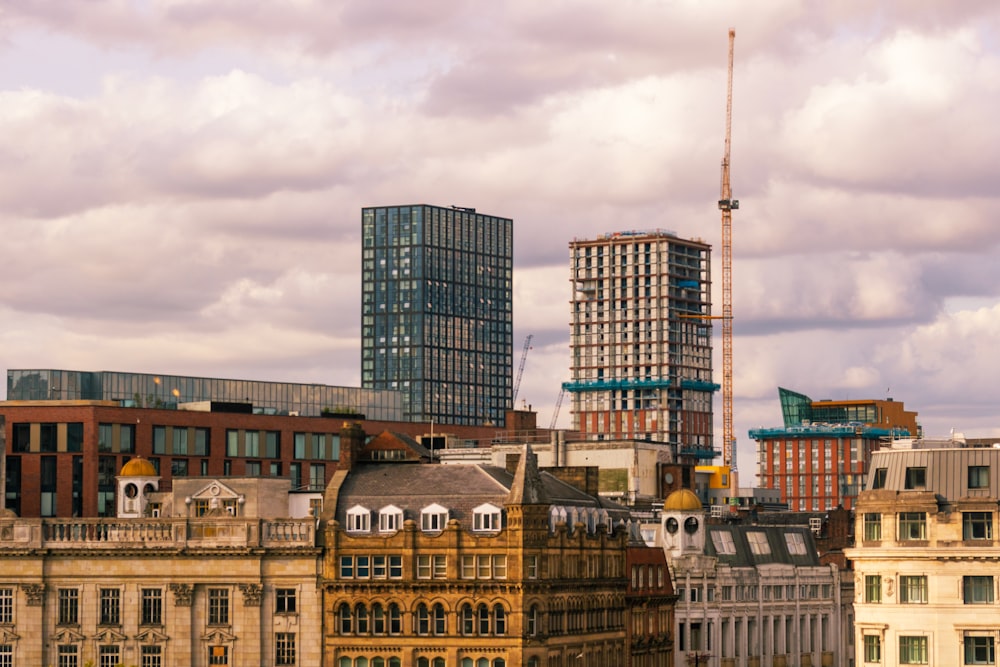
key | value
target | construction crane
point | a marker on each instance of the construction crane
(727, 205)
(520, 369)
(555, 412)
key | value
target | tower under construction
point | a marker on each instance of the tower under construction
(641, 339)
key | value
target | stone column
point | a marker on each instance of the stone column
(249, 630)
(31, 623)
(180, 620)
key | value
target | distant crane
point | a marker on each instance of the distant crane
(727, 205)
(520, 368)
(555, 413)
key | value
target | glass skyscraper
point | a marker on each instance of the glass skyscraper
(436, 311)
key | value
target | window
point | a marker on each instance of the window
(533, 618)
(873, 588)
(108, 656)
(395, 567)
(916, 478)
(913, 589)
(912, 526)
(433, 518)
(151, 656)
(873, 527)
(6, 606)
(486, 518)
(361, 619)
(873, 648)
(431, 566)
(218, 608)
(390, 519)
(345, 619)
(723, 543)
(977, 590)
(317, 476)
(979, 477)
(68, 656)
(218, 655)
(531, 566)
(878, 478)
(913, 650)
(499, 620)
(69, 606)
(284, 601)
(979, 651)
(359, 519)
(796, 544)
(977, 525)
(423, 620)
(284, 648)
(758, 542)
(151, 612)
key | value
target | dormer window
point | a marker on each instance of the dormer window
(486, 518)
(359, 519)
(557, 515)
(433, 518)
(390, 519)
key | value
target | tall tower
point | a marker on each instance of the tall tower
(640, 340)
(436, 311)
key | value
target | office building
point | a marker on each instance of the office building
(158, 390)
(925, 558)
(472, 566)
(819, 458)
(436, 311)
(641, 340)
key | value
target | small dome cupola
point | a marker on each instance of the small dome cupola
(683, 524)
(137, 479)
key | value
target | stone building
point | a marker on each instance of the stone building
(221, 576)
(471, 566)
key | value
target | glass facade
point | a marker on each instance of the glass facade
(436, 311)
(166, 391)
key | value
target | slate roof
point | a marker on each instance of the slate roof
(460, 488)
(778, 546)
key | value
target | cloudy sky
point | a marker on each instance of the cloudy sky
(182, 179)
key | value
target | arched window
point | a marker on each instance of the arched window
(423, 620)
(395, 662)
(395, 621)
(361, 662)
(440, 625)
(533, 661)
(344, 662)
(482, 662)
(344, 619)
(467, 662)
(486, 518)
(423, 662)
(433, 518)
(378, 662)
(378, 620)
(532, 621)
(499, 662)
(361, 619)
(499, 620)
(557, 515)
(359, 519)
(439, 662)
(468, 622)
(484, 620)
(390, 519)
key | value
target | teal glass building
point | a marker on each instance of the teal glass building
(436, 311)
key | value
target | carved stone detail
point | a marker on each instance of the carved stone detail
(251, 594)
(183, 594)
(35, 594)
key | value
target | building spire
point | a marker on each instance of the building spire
(526, 488)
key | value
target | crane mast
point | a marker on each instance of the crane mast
(727, 205)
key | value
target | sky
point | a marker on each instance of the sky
(182, 180)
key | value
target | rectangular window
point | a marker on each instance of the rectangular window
(68, 656)
(977, 525)
(284, 648)
(913, 589)
(299, 446)
(6, 655)
(317, 476)
(218, 655)
(912, 526)
(531, 567)
(251, 444)
(977, 590)
(180, 441)
(429, 566)
(347, 567)
(873, 648)
(295, 475)
(378, 567)
(913, 650)
(285, 599)
(159, 439)
(873, 527)
(979, 477)
(151, 656)
(104, 437)
(272, 444)
(500, 566)
(111, 606)
(202, 442)
(218, 607)
(178, 467)
(69, 606)
(878, 478)
(395, 567)
(232, 442)
(108, 656)
(468, 567)
(362, 567)
(873, 588)
(126, 438)
(980, 651)
(916, 478)
(152, 607)
(7, 606)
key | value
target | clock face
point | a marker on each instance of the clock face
(671, 525)
(669, 478)
(691, 525)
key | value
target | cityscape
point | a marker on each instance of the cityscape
(314, 375)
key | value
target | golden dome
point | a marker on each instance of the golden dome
(138, 467)
(682, 500)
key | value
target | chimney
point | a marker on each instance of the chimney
(352, 440)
